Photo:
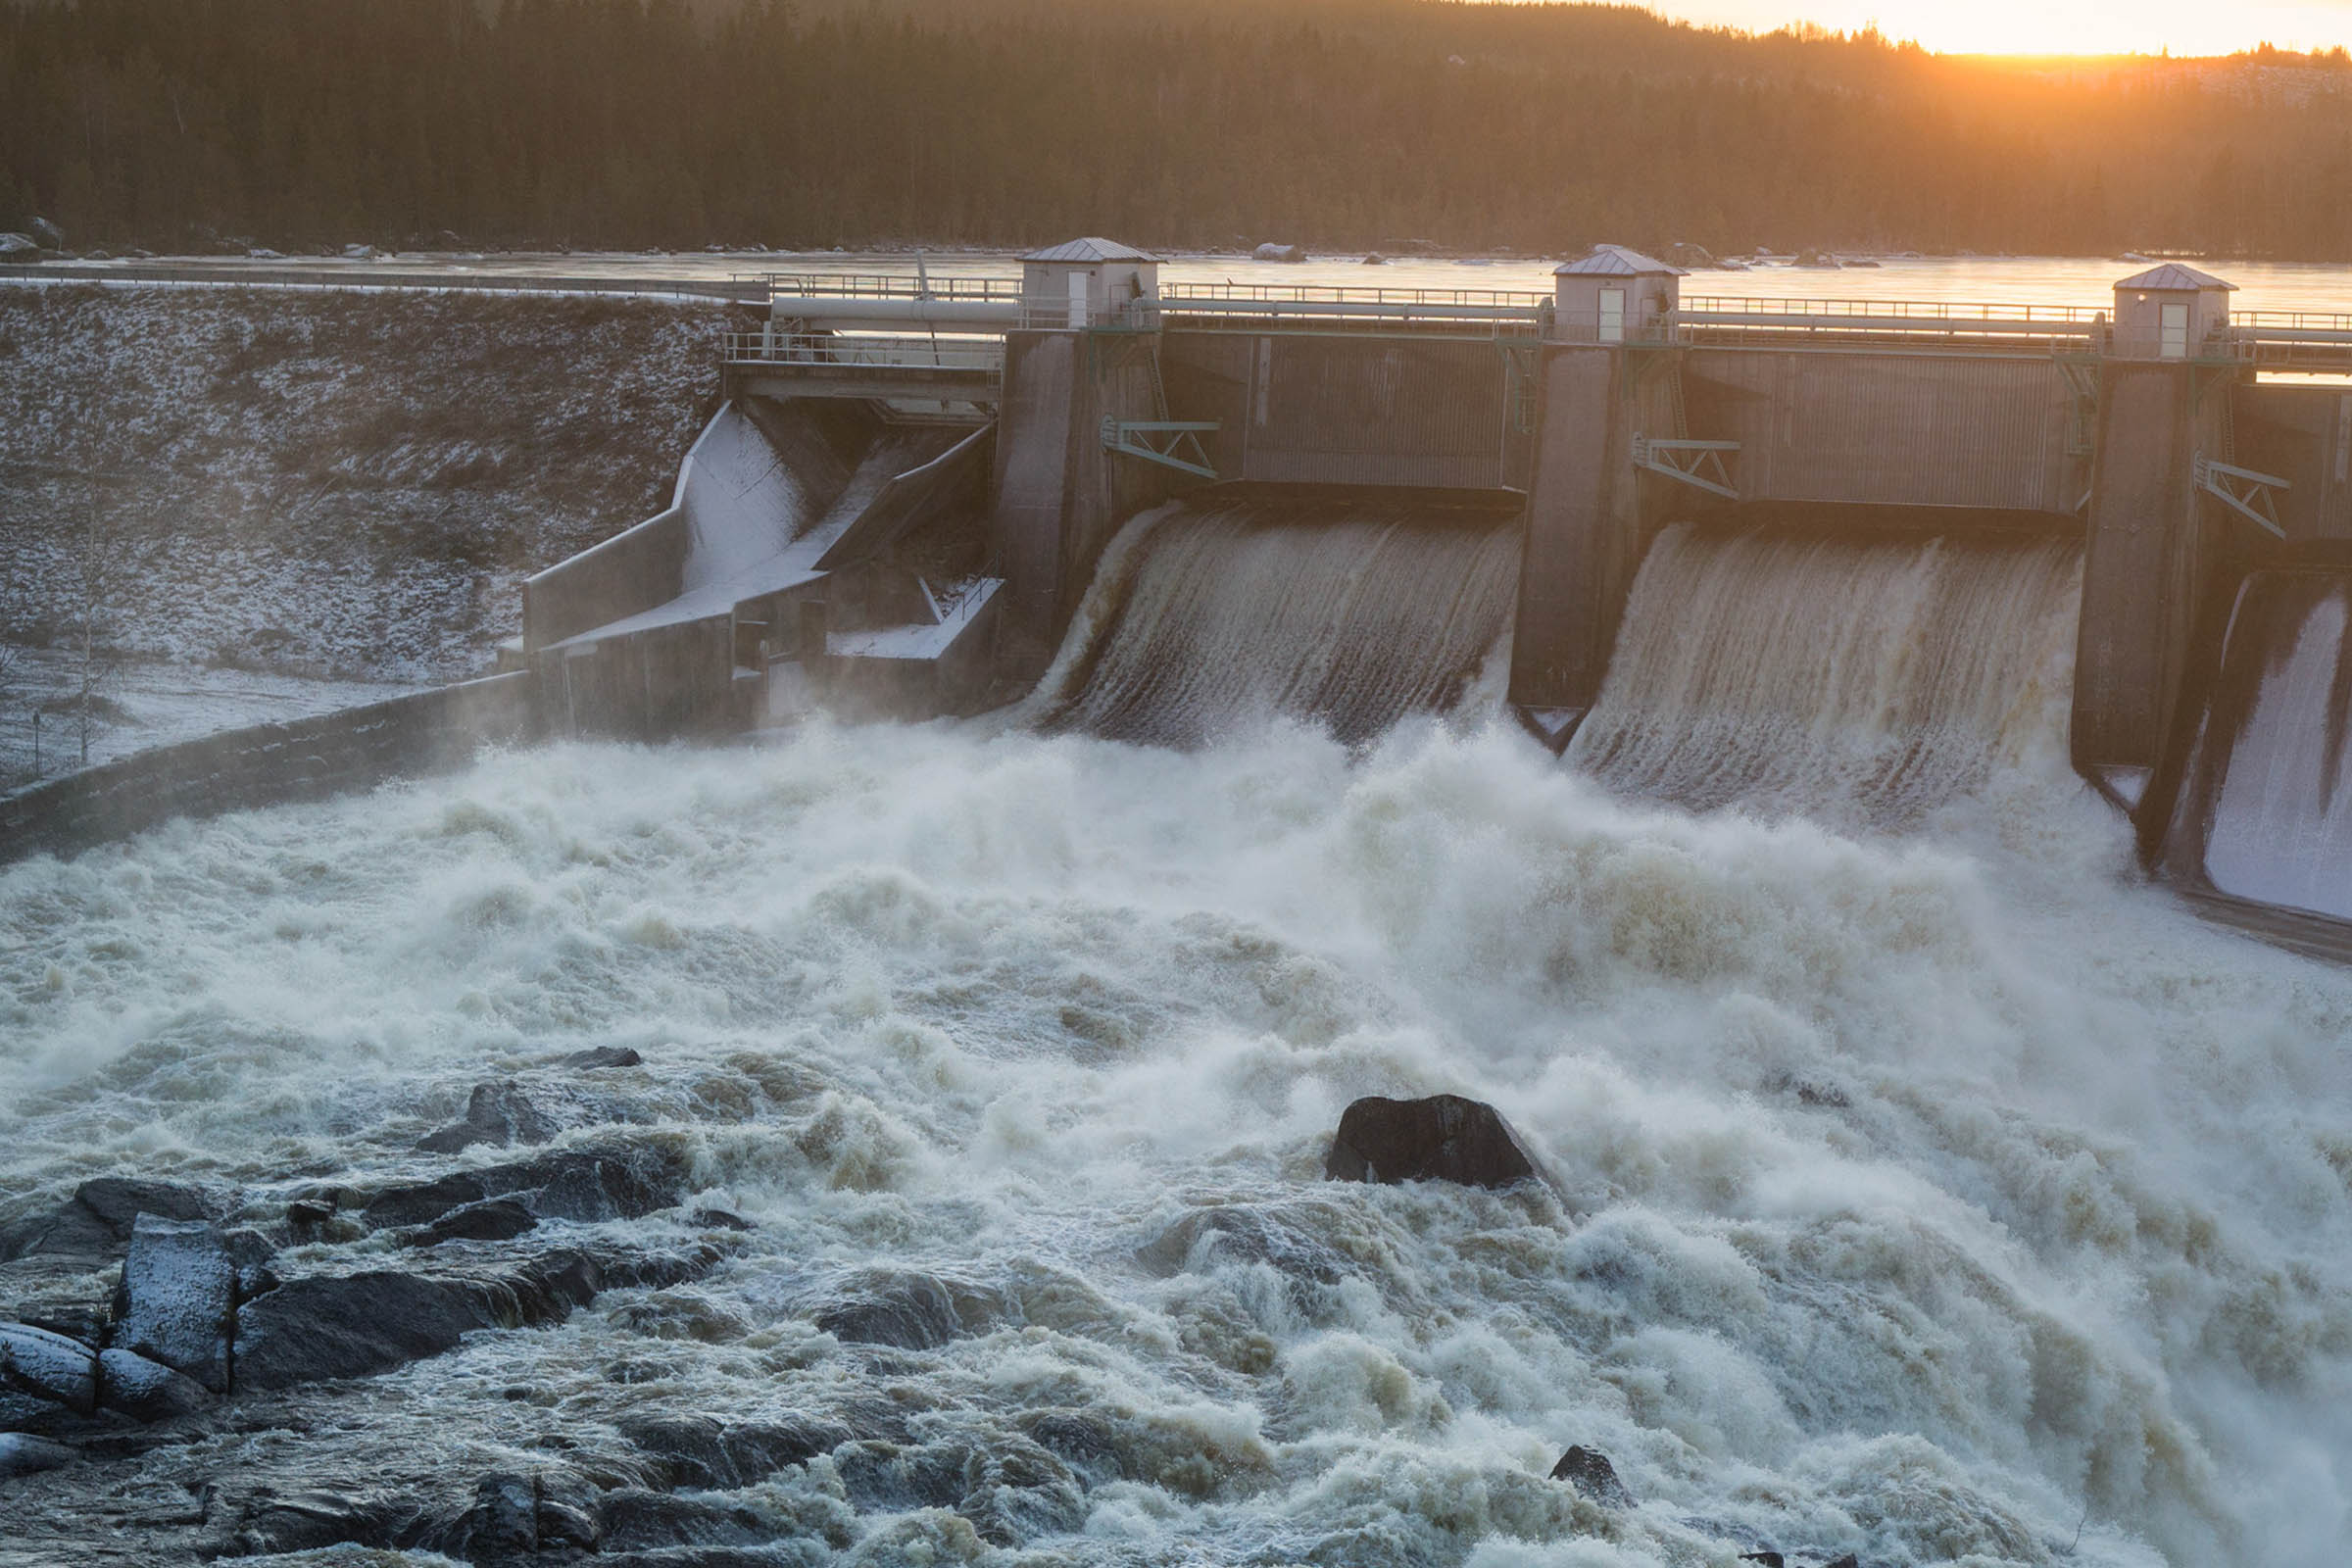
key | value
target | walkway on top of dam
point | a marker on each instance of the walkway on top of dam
(828, 327)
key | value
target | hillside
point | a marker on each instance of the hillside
(323, 482)
(627, 123)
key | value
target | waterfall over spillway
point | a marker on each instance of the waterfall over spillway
(1354, 612)
(1803, 671)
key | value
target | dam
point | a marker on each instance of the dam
(1924, 1186)
(1716, 550)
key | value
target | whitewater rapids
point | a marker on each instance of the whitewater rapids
(1923, 1198)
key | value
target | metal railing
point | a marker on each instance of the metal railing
(1505, 308)
(1324, 293)
(876, 350)
(1906, 321)
(883, 286)
(2292, 340)
(1923, 314)
(992, 306)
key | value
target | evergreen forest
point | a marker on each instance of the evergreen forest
(175, 124)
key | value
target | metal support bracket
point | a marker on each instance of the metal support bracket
(2251, 495)
(2081, 372)
(1522, 394)
(1171, 443)
(1692, 462)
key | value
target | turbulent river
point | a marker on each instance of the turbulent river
(1938, 1195)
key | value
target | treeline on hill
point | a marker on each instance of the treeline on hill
(1178, 123)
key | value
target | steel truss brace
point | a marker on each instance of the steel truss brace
(1692, 462)
(2251, 495)
(1171, 443)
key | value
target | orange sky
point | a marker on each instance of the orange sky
(2052, 26)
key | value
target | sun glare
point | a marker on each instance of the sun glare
(2028, 27)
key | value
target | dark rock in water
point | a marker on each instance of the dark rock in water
(890, 1477)
(1765, 1559)
(568, 1524)
(626, 1182)
(723, 1219)
(633, 1519)
(494, 1219)
(421, 1202)
(698, 1451)
(179, 1287)
(1243, 1233)
(601, 1057)
(146, 1391)
(325, 1516)
(498, 1113)
(1016, 1491)
(23, 1455)
(355, 1325)
(602, 1186)
(117, 1201)
(501, 1523)
(912, 1312)
(307, 1217)
(49, 1367)
(1588, 1470)
(249, 1253)
(1087, 1444)
(1849, 1561)
(1442, 1137)
(96, 1221)
(27, 1413)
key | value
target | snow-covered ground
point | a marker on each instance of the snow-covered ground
(341, 486)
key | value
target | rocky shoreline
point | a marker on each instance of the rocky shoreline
(265, 1316)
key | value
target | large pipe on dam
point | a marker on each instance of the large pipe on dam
(885, 314)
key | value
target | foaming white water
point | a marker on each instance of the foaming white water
(1907, 1205)
(1803, 672)
(1224, 612)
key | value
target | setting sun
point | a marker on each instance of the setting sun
(2028, 27)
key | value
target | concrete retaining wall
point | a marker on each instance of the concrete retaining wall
(1060, 494)
(1888, 430)
(268, 765)
(2303, 434)
(2144, 568)
(1559, 646)
(1308, 409)
(629, 572)
(664, 681)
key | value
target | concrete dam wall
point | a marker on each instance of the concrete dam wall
(1839, 559)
